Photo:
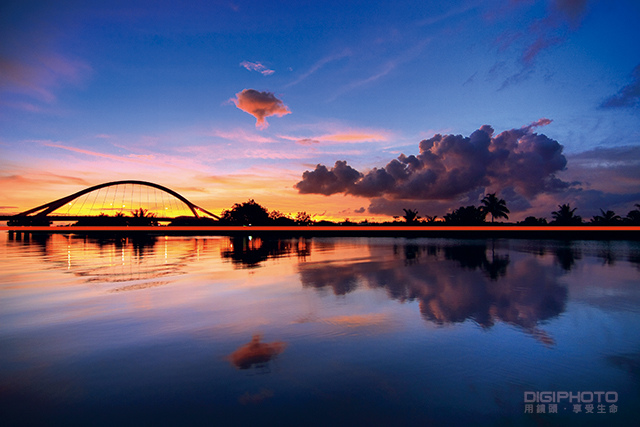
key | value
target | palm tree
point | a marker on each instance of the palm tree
(607, 218)
(496, 207)
(430, 219)
(410, 215)
(566, 216)
(142, 217)
(142, 213)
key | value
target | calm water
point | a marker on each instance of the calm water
(322, 331)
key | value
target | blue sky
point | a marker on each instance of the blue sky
(98, 91)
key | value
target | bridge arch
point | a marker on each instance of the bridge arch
(47, 208)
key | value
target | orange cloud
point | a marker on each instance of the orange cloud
(340, 137)
(260, 105)
(353, 137)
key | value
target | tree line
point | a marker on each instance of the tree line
(252, 213)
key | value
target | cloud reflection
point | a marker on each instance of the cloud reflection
(256, 354)
(445, 281)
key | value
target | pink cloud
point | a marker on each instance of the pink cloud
(341, 136)
(90, 153)
(539, 123)
(260, 105)
(256, 66)
(241, 135)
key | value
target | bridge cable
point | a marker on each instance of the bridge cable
(104, 201)
(115, 193)
(133, 188)
(84, 200)
(94, 200)
(69, 206)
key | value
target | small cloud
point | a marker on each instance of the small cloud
(341, 136)
(260, 105)
(361, 210)
(541, 122)
(143, 156)
(628, 96)
(242, 136)
(353, 137)
(256, 66)
(307, 141)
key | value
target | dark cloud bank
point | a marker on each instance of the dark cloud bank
(518, 163)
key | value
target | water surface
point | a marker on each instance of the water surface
(142, 330)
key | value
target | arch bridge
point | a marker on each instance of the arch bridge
(117, 199)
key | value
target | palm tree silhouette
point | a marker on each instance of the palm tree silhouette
(608, 218)
(496, 207)
(566, 216)
(410, 215)
(142, 213)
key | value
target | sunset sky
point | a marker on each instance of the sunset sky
(341, 109)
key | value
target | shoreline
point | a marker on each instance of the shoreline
(586, 232)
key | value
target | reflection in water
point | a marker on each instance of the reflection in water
(256, 354)
(567, 255)
(104, 258)
(607, 255)
(527, 295)
(634, 258)
(127, 331)
(121, 258)
(249, 251)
